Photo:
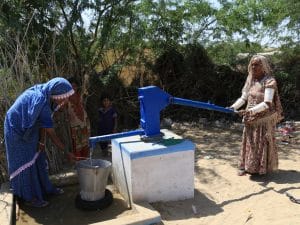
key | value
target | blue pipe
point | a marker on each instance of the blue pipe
(94, 140)
(197, 104)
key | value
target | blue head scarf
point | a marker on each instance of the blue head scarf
(57, 88)
(29, 104)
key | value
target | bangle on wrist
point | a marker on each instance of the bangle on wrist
(42, 144)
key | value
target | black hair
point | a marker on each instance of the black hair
(104, 96)
(74, 81)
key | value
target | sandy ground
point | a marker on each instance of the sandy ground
(221, 197)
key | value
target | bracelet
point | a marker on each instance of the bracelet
(42, 144)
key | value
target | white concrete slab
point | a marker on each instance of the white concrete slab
(153, 171)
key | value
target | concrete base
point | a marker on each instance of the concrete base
(152, 172)
(145, 215)
(7, 214)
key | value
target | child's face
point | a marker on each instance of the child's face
(106, 103)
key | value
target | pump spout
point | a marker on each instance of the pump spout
(95, 139)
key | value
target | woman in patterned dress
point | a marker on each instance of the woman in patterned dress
(79, 123)
(263, 111)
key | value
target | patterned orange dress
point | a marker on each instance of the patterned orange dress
(79, 127)
(259, 151)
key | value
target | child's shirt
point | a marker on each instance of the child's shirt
(106, 120)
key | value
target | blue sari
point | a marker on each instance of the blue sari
(30, 112)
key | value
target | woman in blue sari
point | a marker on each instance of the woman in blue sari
(27, 122)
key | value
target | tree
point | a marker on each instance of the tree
(276, 21)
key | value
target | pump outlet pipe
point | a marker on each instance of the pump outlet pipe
(94, 140)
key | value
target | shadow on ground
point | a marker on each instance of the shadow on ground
(62, 211)
(200, 206)
(291, 179)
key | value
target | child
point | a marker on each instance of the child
(107, 122)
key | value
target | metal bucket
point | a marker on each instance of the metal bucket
(93, 175)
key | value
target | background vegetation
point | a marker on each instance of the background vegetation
(190, 48)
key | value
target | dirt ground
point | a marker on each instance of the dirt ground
(221, 197)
